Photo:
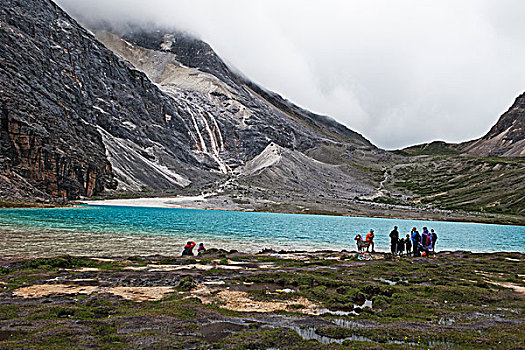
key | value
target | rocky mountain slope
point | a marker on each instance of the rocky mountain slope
(166, 113)
(63, 95)
(484, 175)
(506, 137)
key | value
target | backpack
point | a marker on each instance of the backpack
(426, 240)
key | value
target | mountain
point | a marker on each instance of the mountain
(506, 137)
(64, 94)
(164, 114)
(484, 175)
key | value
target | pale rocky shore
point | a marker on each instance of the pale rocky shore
(218, 201)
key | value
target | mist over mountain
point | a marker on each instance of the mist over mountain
(401, 73)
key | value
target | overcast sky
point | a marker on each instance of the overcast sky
(399, 72)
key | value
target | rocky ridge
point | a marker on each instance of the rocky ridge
(506, 137)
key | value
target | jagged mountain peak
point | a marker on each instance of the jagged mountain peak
(506, 137)
(188, 50)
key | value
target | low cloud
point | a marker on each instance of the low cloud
(400, 72)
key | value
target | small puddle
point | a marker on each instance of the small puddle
(309, 333)
(347, 324)
(216, 331)
(392, 283)
(367, 303)
(324, 311)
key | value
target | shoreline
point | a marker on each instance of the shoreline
(169, 202)
(198, 202)
(281, 254)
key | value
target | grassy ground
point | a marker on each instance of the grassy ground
(486, 185)
(456, 300)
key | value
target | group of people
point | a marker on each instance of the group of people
(414, 243)
(188, 248)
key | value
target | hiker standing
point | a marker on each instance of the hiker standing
(408, 245)
(413, 238)
(426, 241)
(394, 238)
(370, 239)
(416, 241)
(434, 237)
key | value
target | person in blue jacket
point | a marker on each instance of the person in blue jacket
(416, 241)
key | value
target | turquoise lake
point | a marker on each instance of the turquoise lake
(111, 230)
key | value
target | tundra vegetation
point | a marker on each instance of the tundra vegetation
(230, 300)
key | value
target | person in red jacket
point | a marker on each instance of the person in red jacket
(188, 248)
(370, 239)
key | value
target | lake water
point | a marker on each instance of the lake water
(106, 231)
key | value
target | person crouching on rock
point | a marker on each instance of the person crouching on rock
(201, 249)
(188, 248)
(370, 239)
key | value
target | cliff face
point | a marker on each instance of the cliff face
(45, 138)
(62, 91)
(507, 136)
